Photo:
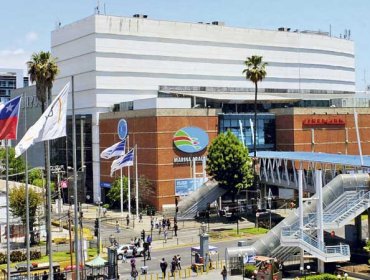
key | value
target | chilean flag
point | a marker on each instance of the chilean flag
(9, 113)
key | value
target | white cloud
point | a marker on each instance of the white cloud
(31, 36)
(14, 58)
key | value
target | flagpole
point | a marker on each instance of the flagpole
(136, 185)
(121, 194)
(128, 182)
(75, 228)
(7, 210)
(27, 201)
(48, 194)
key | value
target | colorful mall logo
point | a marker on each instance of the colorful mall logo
(190, 139)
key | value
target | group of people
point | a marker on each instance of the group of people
(58, 275)
(175, 265)
(160, 223)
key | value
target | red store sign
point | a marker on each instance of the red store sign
(322, 121)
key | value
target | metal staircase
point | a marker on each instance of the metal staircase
(350, 208)
(199, 199)
(299, 238)
(343, 209)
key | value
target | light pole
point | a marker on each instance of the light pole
(308, 271)
(99, 203)
(112, 258)
(203, 242)
(269, 198)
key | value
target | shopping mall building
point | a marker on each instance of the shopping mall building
(164, 77)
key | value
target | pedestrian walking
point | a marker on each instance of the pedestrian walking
(149, 252)
(127, 220)
(140, 218)
(134, 274)
(124, 256)
(36, 276)
(224, 273)
(117, 227)
(168, 224)
(163, 265)
(165, 235)
(45, 276)
(175, 228)
(133, 263)
(173, 266)
(179, 262)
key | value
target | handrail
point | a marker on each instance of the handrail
(341, 249)
(349, 207)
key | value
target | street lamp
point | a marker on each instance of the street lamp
(99, 203)
(112, 258)
(203, 244)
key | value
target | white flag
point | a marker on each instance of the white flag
(126, 160)
(115, 150)
(51, 125)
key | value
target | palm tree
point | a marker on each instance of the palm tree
(255, 72)
(43, 69)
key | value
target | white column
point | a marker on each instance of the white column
(136, 185)
(320, 212)
(121, 193)
(128, 181)
(301, 212)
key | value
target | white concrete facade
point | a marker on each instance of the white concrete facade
(116, 59)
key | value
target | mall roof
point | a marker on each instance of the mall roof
(248, 96)
(348, 160)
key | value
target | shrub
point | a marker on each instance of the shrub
(324, 276)
(2, 258)
(106, 206)
(60, 240)
(249, 270)
(34, 255)
(17, 256)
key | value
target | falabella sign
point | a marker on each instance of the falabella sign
(190, 139)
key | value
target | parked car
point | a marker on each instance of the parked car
(23, 266)
(127, 249)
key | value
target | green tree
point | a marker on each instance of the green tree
(16, 165)
(17, 204)
(146, 192)
(114, 193)
(43, 69)
(255, 72)
(228, 162)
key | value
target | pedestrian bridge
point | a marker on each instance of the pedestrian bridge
(280, 168)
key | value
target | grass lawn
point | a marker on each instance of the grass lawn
(233, 233)
(59, 257)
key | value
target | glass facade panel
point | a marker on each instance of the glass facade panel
(265, 129)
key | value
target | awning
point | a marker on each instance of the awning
(235, 97)
(97, 262)
(263, 97)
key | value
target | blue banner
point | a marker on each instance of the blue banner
(184, 187)
(105, 185)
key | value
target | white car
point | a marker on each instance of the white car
(127, 250)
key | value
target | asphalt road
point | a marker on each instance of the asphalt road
(183, 251)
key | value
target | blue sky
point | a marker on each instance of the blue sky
(26, 25)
